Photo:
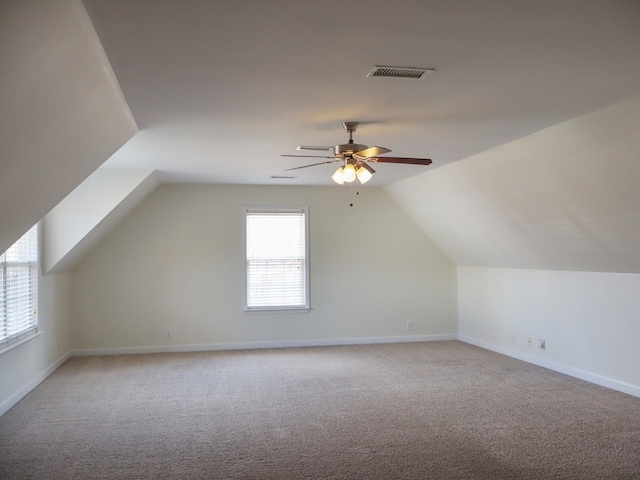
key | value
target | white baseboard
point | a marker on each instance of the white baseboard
(20, 394)
(558, 367)
(256, 345)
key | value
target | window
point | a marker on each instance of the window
(277, 261)
(19, 289)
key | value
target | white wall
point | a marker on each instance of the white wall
(23, 367)
(176, 263)
(590, 321)
(559, 203)
(62, 115)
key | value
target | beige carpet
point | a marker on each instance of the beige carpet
(442, 410)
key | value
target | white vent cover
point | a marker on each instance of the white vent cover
(400, 72)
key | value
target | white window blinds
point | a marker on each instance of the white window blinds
(276, 259)
(19, 289)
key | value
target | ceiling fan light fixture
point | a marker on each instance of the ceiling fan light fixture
(349, 173)
(363, 174)
(355, 158)
(338, 176)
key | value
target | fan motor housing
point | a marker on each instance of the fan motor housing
(349, 148)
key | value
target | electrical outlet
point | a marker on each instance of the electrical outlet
(168, 335)
(513, 338)
(529, 341)
(409, 325)
(542, 345)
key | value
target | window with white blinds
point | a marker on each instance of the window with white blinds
(19, 289)
(277, 262)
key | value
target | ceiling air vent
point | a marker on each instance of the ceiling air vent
(400, 72)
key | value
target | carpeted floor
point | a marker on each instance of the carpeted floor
(441, 410)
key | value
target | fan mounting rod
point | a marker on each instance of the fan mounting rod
(350, 127)
(346, 149)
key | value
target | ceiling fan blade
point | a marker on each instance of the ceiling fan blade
(314, 164)
(405, 160)
(313, 147)
(371, 152)
(309, 156)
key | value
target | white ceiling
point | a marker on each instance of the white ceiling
(219, 89)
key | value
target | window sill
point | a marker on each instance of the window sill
(276, 311)
(19, 342)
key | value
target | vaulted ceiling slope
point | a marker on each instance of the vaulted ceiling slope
(221, 88)
(62, 112)
(565, 198)
(88, 213)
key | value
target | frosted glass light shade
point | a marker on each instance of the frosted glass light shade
(338, 176)
(363, 174)
(349, 173)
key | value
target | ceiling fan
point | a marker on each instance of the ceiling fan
(355, 158)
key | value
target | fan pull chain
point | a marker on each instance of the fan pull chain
(351, 193)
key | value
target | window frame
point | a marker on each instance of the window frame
(32, 328)
(277, 308)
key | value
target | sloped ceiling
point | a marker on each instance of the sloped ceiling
(61, 109)
(221, 88)
(565, 198)
(88, 213)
